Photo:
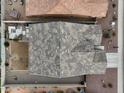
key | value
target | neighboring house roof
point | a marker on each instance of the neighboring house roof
(90, 8)
(63, 49)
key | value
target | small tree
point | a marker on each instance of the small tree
(6, 64)
(107, 34)
(6, 44)
(113, 33)
(78, 88)
(82, 82)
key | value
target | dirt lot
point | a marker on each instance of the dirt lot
(19, 55)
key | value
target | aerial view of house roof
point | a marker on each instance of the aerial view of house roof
(92, 8)
(61, 46)
(62, 49)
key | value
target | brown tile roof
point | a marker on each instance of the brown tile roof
(92, 8)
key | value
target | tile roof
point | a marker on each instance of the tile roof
(92, 8)
(63, 49)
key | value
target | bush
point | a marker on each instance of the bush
(107, 34)
(6, 44)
